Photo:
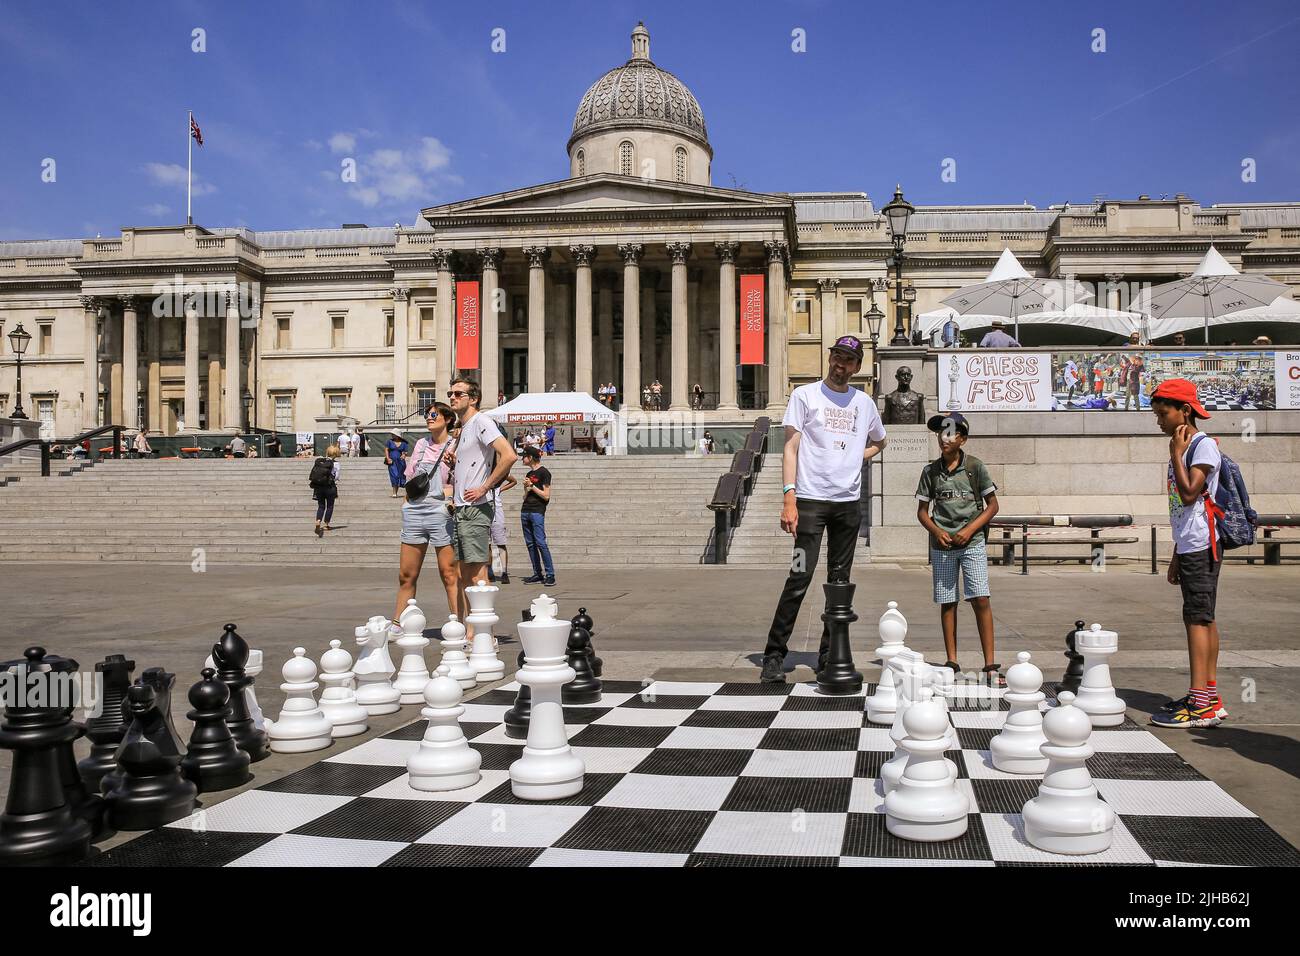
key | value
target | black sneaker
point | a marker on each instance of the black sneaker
(549, 582)
(773, 670)
(533, 579)
(504, 579)
(821, 663)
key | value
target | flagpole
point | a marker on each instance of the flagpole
(189, 166)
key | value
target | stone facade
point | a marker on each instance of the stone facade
(600, 277)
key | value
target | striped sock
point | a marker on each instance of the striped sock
(1200, 698)
(1212, 688)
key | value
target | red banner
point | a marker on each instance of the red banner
(467, 312)
(751, 319)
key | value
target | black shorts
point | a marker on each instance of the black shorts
(1198, 576)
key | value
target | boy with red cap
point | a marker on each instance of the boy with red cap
(1192, 480)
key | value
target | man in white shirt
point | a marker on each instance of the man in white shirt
(831, 428)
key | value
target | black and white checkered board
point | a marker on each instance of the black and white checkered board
(698, 774)
(1214, 400)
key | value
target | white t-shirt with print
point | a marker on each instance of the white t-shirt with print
(1188, 522)
(475, 457)
(834, 429)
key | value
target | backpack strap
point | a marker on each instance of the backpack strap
(1212, 510)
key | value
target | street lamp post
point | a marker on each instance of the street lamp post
(18, 340)
(898, 211)
(874, 317)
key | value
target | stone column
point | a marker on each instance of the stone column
(727, 320)
(401, 347)
(679, 252)
(537, 256)
(113, 347)
(582, 352)
(489, 324)
(232, 410)
(631, 253)
(1113, 280)
(561, 376)
(831, 328)
(153, 343)
(213, 347)
(191, 413)
(444, 321)
(130, 362)
(694, 332)
(777, 337)
(605, 371)
(90, 363)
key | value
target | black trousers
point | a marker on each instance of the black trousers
(840, 521)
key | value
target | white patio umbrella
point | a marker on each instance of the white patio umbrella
(1009, 292)
(1211, 294)
(1087, 316)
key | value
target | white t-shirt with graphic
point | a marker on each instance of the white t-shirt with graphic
(475, 457)
(1188, 522)
(834, 428)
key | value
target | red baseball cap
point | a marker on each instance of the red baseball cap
(1183, 392)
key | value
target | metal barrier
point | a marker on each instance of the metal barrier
(1093, 523)
(45, 444)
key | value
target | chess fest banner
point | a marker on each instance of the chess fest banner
(1024, 381)
(751, 319)
(467, 318)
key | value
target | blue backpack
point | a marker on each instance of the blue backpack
(1234, 518)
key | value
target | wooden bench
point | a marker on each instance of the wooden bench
(1269, 526)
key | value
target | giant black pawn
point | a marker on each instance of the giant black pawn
(517, 716)
(38, 827)
(584, 688)
(230, 654)
(106, 729)
(583, 620)
(151, 792)
(839, 676)
(1074, 670)
(214, 761)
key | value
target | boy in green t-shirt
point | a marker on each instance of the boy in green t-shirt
(956, 501)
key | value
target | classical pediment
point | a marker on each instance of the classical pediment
(603, 192)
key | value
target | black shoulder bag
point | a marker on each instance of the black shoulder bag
(418, 486)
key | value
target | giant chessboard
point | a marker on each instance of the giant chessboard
(1213, 399)
(702, 774)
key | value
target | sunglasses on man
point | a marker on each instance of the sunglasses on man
(457, 394)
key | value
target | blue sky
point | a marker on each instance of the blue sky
(1012, 92)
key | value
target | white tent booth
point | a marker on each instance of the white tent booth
(581, 422)
(1093, 317)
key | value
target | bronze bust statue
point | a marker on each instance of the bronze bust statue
(903, 406)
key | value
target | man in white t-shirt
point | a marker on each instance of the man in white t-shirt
(831, 428)
(483, 458)
(1192, 478)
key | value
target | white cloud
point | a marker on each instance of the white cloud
(174, 175)
(394, 176)
(157, 210)
(433, 154)
(342, 143)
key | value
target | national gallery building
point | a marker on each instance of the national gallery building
(625, 271)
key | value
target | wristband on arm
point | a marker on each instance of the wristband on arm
(787, 488)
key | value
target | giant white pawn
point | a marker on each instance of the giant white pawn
(453, 653)
(882, 706)
(1017, 749)
(413, 674)
(926, 806)
(374, 670)
(338, 701)
(548, 769)
(445, 760)
(482, 618)
(1067, 816)
(1096, 696)
(302, 726)
(911, 674)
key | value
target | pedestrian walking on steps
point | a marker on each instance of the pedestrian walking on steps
(324, 481)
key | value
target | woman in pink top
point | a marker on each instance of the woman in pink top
(427, 521)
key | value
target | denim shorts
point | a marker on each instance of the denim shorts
(973, 563)
(426, 522)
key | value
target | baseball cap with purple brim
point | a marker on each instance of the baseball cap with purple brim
(849, 344)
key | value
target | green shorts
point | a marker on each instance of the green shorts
(469, 540)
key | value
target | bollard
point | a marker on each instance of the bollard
(1024, 549)
(1153, 550)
